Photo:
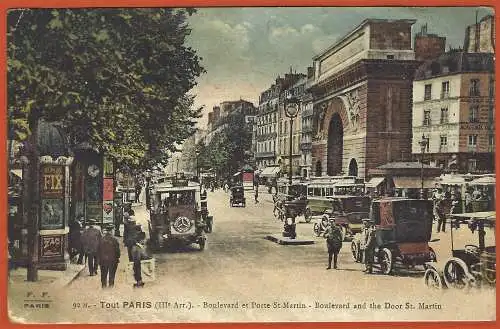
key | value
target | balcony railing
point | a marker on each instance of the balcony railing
(264, 154)
(471, 148)
(443, 148)
(307, 129)
(445, 94)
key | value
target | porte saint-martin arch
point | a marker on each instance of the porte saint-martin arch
(362, 87)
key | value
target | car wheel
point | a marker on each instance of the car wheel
(307, 215)
(316, 229)
(385, 261)
(432, 279)
(455, 275)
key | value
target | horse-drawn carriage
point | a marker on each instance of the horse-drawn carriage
(470, 266)
(237, 196)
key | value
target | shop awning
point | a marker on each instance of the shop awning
(17, 172)
(270, 172)
(413, 182)
(487, 180)
(374, 182)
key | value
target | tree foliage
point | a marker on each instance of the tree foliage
(228, 149)
(117, 78)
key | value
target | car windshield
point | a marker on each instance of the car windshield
(178, 198)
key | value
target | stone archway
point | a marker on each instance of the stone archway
(335, 145)
(353, 168)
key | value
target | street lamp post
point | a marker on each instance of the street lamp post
(423, 146)
(291, 106)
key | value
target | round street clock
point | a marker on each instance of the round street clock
(93, 170)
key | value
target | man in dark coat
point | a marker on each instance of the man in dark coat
(369, 244)
(139, 253)
(128, 230)
(75, 240)
(91, 237)
(333, 236)
(108, 255)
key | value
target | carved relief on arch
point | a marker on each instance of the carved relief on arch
(335, 106)
(353, 105)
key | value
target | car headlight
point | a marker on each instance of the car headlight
(289, 221)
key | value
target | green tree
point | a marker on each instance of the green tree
(118, 78)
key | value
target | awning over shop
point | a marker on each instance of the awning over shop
(487, 180)
(374, 182)
(270, 172)
(17, 172)
(413, 182)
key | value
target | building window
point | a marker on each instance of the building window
(472, 140)
(390, 56)
(444, 141)
(427, 118)
(445, 89)
(474, 87)
(428, 92)
(471, 165)
(444, 115)
(474, 113)
(286, 127)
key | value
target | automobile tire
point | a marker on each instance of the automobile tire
(386, 261)
(456, 275)
(307, 215)
(316, 229)
(432, 279)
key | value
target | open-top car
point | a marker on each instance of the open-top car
(237, 196)
(470, 265)
(403, 230)
(176, 214)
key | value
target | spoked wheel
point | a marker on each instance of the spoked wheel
(455, 275)
(385, 261)
(432, 279)
(307, 215)
(316, 229)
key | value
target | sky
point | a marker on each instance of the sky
(243, 50)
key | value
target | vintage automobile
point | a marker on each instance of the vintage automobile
(403, 230)
(237, 196)
(472, 265)
(295, 195)
(348, 211)
(176, 214)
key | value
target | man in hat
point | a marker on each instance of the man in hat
(369, 244)
(91, 238)
(108, 255)
(333, 236)
(128, 232)
(139, 253)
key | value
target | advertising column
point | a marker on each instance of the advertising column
(54, 213)
(107, 195)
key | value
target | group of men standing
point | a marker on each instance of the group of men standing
(102, 249)
(334, 239)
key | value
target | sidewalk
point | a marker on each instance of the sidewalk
(54, 279)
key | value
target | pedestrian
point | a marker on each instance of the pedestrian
(138, 189)
(257, 194)
(129, 233)
(109, 256)
(369, 244)
(139, 253)
(75, 240)
(442, 208)
(333, 236)
(91, 237)
(468, 200)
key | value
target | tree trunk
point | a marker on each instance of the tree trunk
(34, 200)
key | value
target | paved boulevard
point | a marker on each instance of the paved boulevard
(262, 281)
